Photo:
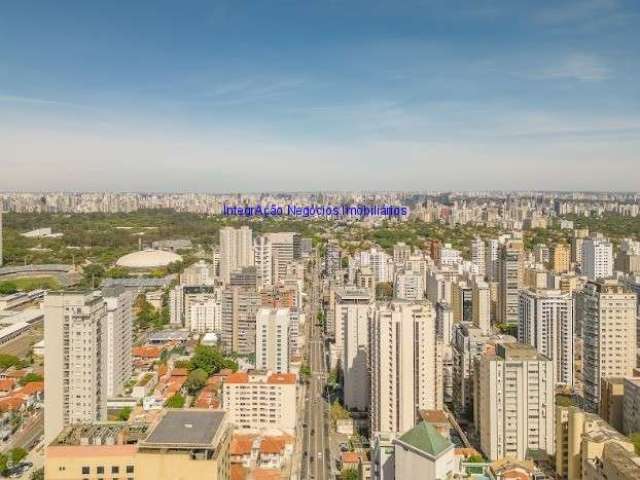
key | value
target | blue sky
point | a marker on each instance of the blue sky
(304, 95)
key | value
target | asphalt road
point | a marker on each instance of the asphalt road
(316, 457)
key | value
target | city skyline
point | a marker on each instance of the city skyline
(284, 96)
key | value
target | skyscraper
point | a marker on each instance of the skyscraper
(514, 402)
(239, 307)
(510, 278)
(597, 258)
(236, 250)
(481, 305)
(608, 319)
(272, 339)
(405, 365)
(75, 332)
(263, 262)
(546, 323)
(478, 255)
(119, 338)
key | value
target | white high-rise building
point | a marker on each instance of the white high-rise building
(205, 315)
(546, 322)
(481, 305)
(405, 365)
(272, 339)
(355, 352)
(491, 260)
(200, 273)
(608, 320)
(409, 285)
(119, 338)
(514, 404)
(282, 254)
(263, 262)
(236, 250)
(597, 258)
(478, 255)
(75, 336)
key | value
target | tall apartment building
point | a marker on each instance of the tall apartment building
(631, 405)
(409, 285)
(547, 323)
(264, 262)
(401, 253)
(510, 279)
(514, 402)
(597, 258)
(282, 253)
(461, 301)
(272, 339)
(258, 400)
(119, 338)
(579, 234)
(200, 273)
(491, 260)
(481, 305)
(405, 365)
(75, 333)
(239, 306)
(332, 258)
(236, 250)
(204, 315)
(608, 323)
(478, 255)
(560, 257)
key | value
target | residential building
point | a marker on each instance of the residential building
(75, 333)
(239, 306)
(423, 449)
(481, 305)
(631, 405)
(409, 285)
(405, 365)
(510, 280)
(478, 255)
(597, 258)
(560, 257)
(264, 262)
(259, 400)
(272, 339)
(119, 333)
(608, 331)
(546, 323)
(236, 250)
(514, 399)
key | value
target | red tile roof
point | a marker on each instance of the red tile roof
(266, 474)
(147, 352)
(282, 378)
(7, 384)
(238, 377)
(237, 472)
(270, 445)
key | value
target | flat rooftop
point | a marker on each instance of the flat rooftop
(186, 428)
(100, 434)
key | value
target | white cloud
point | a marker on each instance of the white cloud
(579, 66)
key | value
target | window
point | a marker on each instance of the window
(99, 470)
(115, 469)
(86, 470)
(129, 468)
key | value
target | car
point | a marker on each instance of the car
(344, 447)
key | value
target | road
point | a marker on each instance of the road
(316, 457)
(30, 433)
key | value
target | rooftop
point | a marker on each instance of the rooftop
(186, 428)
(111, 433)
(425, 437)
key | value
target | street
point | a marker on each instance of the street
(316, 456)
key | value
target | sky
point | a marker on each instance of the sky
(221, 96)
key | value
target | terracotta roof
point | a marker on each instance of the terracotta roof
(179, 372)
(270, 445)
(282, 378)
(237, 472)
(7, 384)
(16, 374)
(241, 446)
(238, 377)
(266, 474)
(31, 388)
(11, 403)
(147, 352)
(434, 416)
(350, 457)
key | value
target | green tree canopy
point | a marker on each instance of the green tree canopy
(17, 455)
(196, 380)
(7, 288)
(208, 359)
(31, 377)
(7, 361)
(176, 401)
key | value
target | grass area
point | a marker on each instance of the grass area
(35, 283)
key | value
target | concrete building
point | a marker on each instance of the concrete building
(423, 449)
(239, 307)
(261, 400)
(547, 323)
(581, 441)
(514, 401)
(236, 250)
(405, 365)
(401, 253)
(481, 305)
(409, 285)
(272, 339)
(510, 280)
(204, 315)
(491, 260)
(200, 273)
(597, 258)
(611, 406)
(75, 334)
(631, 405)
(608, 327)
(264, 262)
(478, 255)
(282, 253)
(119, 338)
(560, 257)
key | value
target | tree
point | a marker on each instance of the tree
(17, 455)
(4, 464)
(93, 274)
(7, 361)
(7, 288)
(117, 272)
(208, 359)
(349, 474)
(196, 380)
(231, 364)
(176, 401)
(124, 414)
(635, 439)
(31, 377)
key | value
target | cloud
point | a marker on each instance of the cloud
(579, 66)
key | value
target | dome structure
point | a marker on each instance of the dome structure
(148, 259)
